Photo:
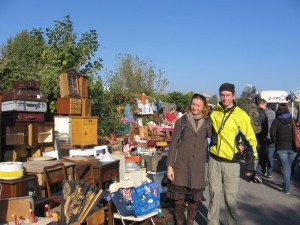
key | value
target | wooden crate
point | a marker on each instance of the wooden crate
(69, 106)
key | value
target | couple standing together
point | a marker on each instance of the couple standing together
(228, 126)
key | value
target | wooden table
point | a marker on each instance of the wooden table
(15, 187)
(37, 168)
(104, 171)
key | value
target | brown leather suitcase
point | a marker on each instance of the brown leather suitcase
(25, 95)
(20, 84)
(33, 85)
(69, 106)
(19, 117)
(86, 107)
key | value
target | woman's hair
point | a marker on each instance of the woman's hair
(204, 100)
(282, 109)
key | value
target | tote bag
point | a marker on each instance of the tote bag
(146, 198)
(296, 138)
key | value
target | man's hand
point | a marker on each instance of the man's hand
(248, 174)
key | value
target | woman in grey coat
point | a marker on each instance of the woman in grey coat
(186, 159)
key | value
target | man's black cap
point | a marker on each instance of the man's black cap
(227, 87)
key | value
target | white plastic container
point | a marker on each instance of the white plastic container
(11, 170)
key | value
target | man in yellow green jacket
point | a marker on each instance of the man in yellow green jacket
(233, 137)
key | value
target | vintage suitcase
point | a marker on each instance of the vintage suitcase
(86, 107)
(33, 85)
(19, 117)
(19, 84)
(24, 106)
(69, 106)
(26, 95)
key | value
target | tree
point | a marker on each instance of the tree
(21, 58)
(181, 100)
(133, 76)
(44, 56)
(104, 107)
(213, 100)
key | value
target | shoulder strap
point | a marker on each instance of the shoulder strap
(224, 121)
(183, 126)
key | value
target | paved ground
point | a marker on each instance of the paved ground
(261, 204)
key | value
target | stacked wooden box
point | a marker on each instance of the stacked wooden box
(23, 110)
(74, 112)
(73, 94)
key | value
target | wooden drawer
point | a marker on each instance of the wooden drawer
(89, 121)
(69, 106)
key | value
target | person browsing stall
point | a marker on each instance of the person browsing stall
(282, 135)
(171, 117)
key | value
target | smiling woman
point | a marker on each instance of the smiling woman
(186, 159)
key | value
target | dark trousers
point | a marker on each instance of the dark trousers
(262, 158)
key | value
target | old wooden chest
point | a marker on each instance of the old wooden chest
(69, 106)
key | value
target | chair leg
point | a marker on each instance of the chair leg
(152, 221)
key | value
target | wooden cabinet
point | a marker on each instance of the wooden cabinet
(15, 187)
(81, 130)
(28, 135)
(44, 134)
(15, 134)
(84, 131)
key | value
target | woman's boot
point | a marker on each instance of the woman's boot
(179, 211)
(192, 210)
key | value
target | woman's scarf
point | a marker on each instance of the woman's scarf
(191, 118)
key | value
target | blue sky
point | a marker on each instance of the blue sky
(199, 44)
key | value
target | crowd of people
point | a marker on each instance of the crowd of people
(232, 139)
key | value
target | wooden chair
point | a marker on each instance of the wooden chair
(54, 175)
(39, 201)
(20, 207)
(85, 172)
